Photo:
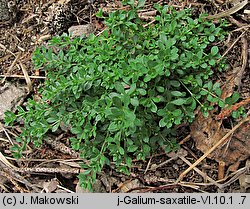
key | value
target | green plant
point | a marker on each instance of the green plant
(121, 94)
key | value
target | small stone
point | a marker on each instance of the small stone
(179, 162)
(4, 10)
(153, 166)
(50, 186)
(158, 173)
(33, 39)
(176, 167)
(10, 97)
(97, 188)
(80, 30)
(126, 186)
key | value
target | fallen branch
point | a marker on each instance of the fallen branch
(48, 170)
(228, 111)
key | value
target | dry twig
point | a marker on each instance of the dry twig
(230, 11)
(11, 67)
(23, 77)
(205, 176)
(244, 55)
(231, 46)
(27, 78)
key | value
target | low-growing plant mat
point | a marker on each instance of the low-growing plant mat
(213, 149)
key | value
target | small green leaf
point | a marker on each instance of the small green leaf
(100, 13)
(134, 101)
(167, 73)
(221, 104)
(125, 99)
(76, 130)
(205, 114)
(202, 92)
(212, 62)
(204, 65)
(113, 127)
(117, 101)
(86, 172)
(147, 78)
(214, 50)
(121, 150)
(209, 86)
(177, 112)
(218, 92)
(235, 97)
(175, 83)
(146, 149)
(216, 86)
(161, 112)
(210, 98)
(229, 101)
(141, 3)
(156, 99)
(9, 118)
(119, 87)
(176, 93)
(199, 81)
(52, 120)
(87, 86)
(129, 161)
(129, 115)
(55, 127)
(211, 38)
(160, 89)
(179, 101)
(153, 107)
(20, 109)
(141, 91)
(116, 112)
(131, 89)
(235, 114)
(132, 148)
(162, 122)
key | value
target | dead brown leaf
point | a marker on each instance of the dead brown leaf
(50, 186)
(206, 132)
